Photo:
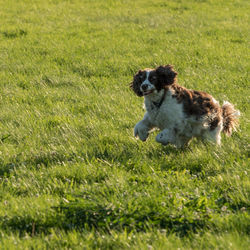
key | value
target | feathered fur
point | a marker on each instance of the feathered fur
(230, 118)
(179, 113)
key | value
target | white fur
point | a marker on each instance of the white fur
(150, 86)
(177, 128)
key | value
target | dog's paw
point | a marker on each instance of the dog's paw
(141, 132)
(164, 137)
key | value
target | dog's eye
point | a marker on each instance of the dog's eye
(141, 76)
(153, 78)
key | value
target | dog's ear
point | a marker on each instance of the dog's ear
(166, 75)
(135, 85)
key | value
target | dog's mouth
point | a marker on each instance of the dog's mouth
(148, 92)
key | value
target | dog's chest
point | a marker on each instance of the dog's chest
(167, 115)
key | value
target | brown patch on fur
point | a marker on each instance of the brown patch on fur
(230, 118)
(214, 122)
(166, 75)
(198, 103)
(139, 77)
(195, 102)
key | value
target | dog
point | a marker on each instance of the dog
(181, 114)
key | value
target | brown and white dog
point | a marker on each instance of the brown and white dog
(179, 113)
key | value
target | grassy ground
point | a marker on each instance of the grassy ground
(71, 173)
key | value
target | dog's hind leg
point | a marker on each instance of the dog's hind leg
(182, 141)
(213, 135)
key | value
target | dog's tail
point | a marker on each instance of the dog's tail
(230, 118)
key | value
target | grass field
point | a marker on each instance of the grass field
(71, 173)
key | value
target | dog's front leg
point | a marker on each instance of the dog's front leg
(142, 128)
(165, 137)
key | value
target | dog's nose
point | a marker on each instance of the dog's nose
(144, 86)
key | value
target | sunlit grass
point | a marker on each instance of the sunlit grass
(71, 173)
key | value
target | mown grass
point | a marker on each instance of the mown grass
(71, 173)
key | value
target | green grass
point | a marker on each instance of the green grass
(71, 173)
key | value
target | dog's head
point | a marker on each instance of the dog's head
(150, 81)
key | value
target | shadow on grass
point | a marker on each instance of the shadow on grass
(6, 169)
(196, 159)
(27, 225)
(101, 219)
(42, 158)
(138, 214)
(11, 34)
(80, 215)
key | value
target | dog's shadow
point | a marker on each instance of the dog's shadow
(195, 158)
(168, 150)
